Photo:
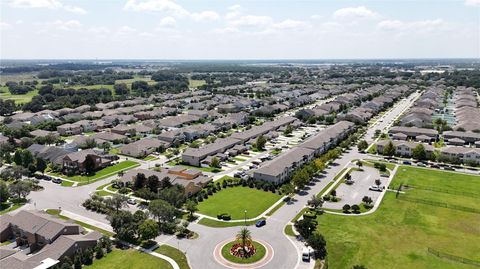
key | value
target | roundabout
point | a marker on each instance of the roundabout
(228, 253)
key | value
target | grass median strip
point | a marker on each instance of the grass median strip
(175, 254)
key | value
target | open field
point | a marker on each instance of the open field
(194, 83)
(123, 259)
(235, 200)
(106, 172)
(18, 98)
(399, 233)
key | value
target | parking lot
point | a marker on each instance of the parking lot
(353, 193)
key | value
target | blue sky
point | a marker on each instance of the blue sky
(224, 29)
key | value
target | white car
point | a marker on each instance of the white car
(131, 201)
(375, 188)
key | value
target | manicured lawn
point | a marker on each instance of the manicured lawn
(6, 207)
(150, 158)
(259, 254)
(126, 259)
(235, 200)
(106, 172)
(289, 230)
(223, 224)
(175, 254)
(66, 183)
(400, 232)
(103, 193)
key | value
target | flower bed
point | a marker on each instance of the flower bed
(233, 252)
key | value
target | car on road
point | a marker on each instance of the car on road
(407, 162)
(434, 166)
(421, 165)
(131, 201)
(260, 223)
(449, 168)
(56, 180)
(375, 188)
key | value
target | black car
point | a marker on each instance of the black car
(57, 180)
(260, 223)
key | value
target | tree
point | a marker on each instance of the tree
(346, 208)
(389, 149)
(89, 164)
(315, 201)
(287, 189)
(106, 147)
(20, 188)
(419, 152)
(319, 245)
(333, 193)
(367, 200)
(359, 164)
(165, 183)
(87, 257)
(120, 89)
(162, 211)
(362, 145)
(77, 260)
(300, 178)
(148, 229)
(140, 181)
(118, 201)
(98, 251)
(153, 183)
(215, 162)
(41, 165)
(4, 194)
(174, 195)
(27, 158)
(191, 207)
(355, 208)
(288, 130)
(348, 176)
(305, 227)
(124, 225)
(260, 142)
(245, 237)
(378, 182)
(17, 157)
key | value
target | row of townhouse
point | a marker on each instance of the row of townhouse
(467, 113)
(281, 168)
(195, 156)
(450, 153)
(41, 240)
(422, 111)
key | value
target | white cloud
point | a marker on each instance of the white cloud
(167, 6)
(355, 13)
(205, 16)
(413, 26)
(168, 22)
(4, 26)
(252, 21)
(316, 17)
(126, 30)
(70, 25)
(146, 34)
(50, 4)
(289, 24)
(99, 30)
(473, 3)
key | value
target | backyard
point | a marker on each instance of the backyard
(405, 233)
(235, 200)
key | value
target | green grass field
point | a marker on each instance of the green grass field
(223, 224)
(194, 83)
(18, 98)
(236, 200)
(175, 254)
(5, 207)
(125, 259)
(400, 232)
(106, 172)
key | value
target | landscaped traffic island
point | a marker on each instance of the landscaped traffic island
(234, 252)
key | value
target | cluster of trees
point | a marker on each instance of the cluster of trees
(21, 87)
(86, 257)
(152, 187)
(17, 190)
(60, 98)
(260, 142)
(7, 107)
(307, 227)
(23, 157)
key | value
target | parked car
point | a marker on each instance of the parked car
(407, 162)
(434, 166)
(132, 201)
(260, 223)
(449, 168)
(384, 175)
(47, 178)
(421, 164)
(56, 180)
(375, 188)
(305, 255)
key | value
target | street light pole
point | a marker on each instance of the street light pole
(245, 217)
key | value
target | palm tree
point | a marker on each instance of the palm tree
(245, 236)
